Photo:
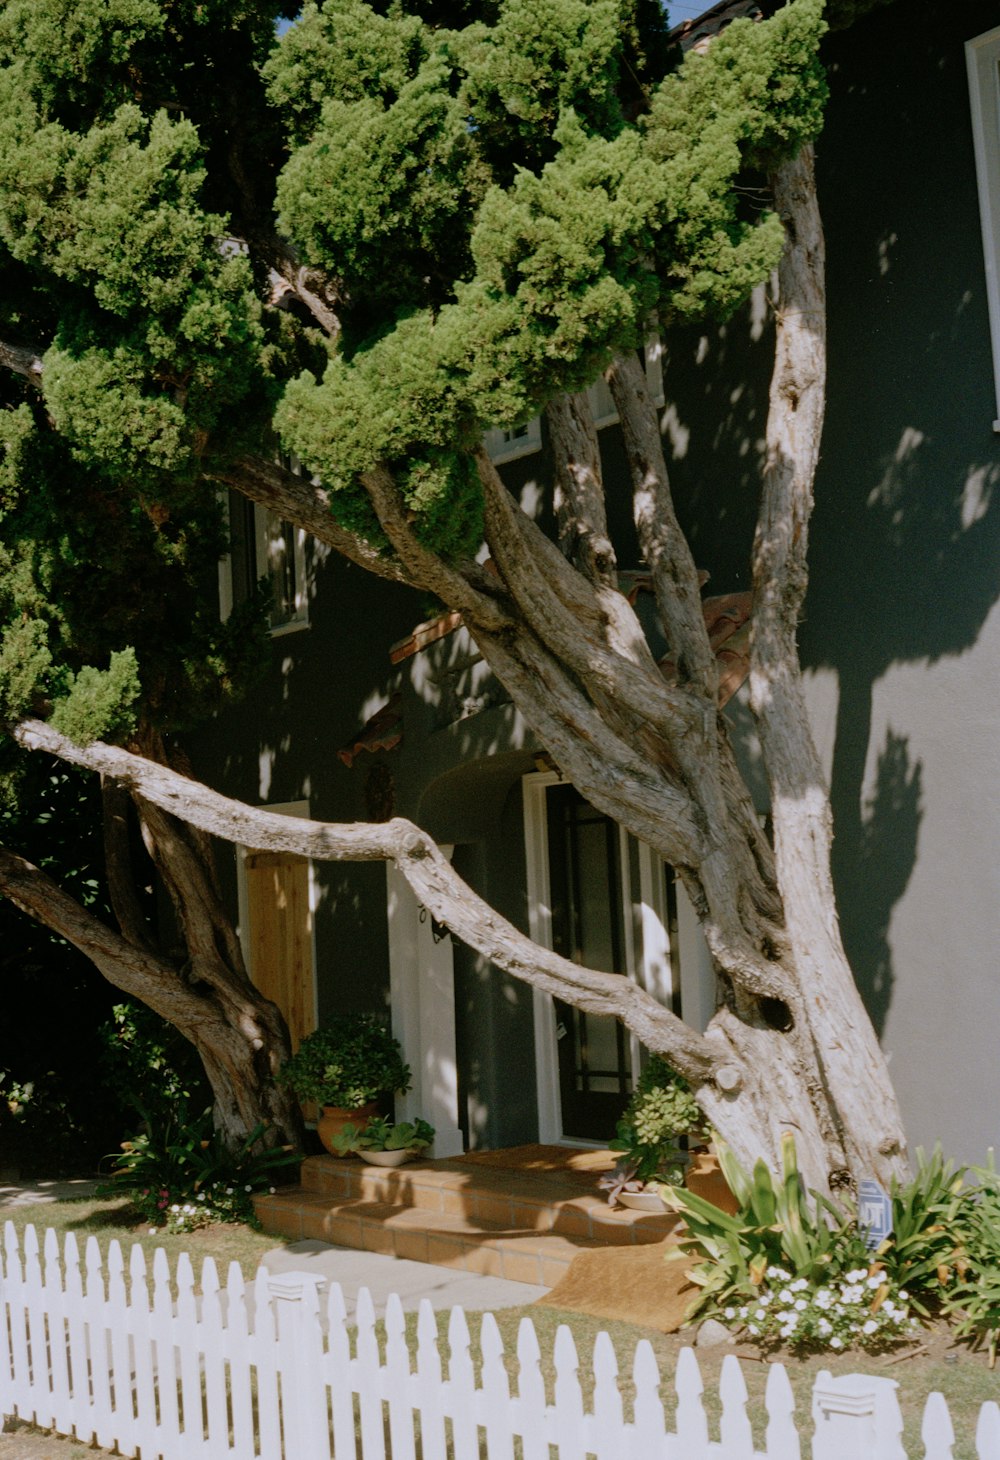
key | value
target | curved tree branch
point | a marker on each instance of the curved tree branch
(429, 873)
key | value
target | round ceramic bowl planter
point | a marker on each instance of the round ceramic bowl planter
(389, 1158)
(643, 1201)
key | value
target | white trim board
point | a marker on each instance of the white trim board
(983, 59)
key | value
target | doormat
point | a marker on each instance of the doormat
(632, 1284)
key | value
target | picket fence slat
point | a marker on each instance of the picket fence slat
(169, 1370)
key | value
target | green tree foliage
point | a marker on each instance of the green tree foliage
(503, 195)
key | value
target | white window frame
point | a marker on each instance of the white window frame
(507, 445)
(263, 527)
(982, 55)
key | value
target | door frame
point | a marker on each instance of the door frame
(648, 965)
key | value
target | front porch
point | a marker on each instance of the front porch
(524, 1213)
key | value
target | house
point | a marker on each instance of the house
(372, 708)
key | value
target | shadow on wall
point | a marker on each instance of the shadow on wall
(905, 552)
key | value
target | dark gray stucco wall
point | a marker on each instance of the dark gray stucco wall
(903, 630)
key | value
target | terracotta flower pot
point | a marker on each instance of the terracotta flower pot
(335, 1117)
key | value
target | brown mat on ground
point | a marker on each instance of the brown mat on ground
(558, 1160)
(634, 1284)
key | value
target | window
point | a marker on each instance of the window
(983, 56)
(265, 546)
(522, 440)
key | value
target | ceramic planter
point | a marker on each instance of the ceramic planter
(335, 1117)
(643, 1201)
(388, 1158)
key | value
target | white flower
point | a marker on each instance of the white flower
(760, 1314)
(270, 1190)
(730, 1313)
(744, 1312)
(870, 1326)
(823, 1298)
(248, 1188)
(903, 1294)
(752, 1328)
(778, 1272)
(229, 1191)
(875, 1281)
(785, 1297)
(823, 1327)
(764, 1299)
(857, 1274)
(800, 1304)
(836, 1342)
(799, 1286)
(152, 1232)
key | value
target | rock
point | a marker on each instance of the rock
(712, 1333)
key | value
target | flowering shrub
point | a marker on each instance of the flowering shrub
(180, 1176)
(862, 1307)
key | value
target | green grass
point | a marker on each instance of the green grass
(960, 1374)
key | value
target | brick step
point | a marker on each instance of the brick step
(525, 1225)
(446, 1239)
(523, 1200)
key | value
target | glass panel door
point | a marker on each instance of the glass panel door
(585, 879)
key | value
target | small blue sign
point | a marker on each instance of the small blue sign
(874, 1212)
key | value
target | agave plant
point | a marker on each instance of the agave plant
(776, 1225)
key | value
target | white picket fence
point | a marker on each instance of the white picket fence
(270, 1374)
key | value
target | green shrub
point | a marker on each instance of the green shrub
(180, 1175)
(384, 1135)
(660, 1113)
(348, 1063)
(973, 1303)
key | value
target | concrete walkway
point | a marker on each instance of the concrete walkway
(381, 1275)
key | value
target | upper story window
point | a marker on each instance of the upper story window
(265, 546)
(522, 440)
(983, 57)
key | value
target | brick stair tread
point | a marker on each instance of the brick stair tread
(519, 1199)
(441, 1238)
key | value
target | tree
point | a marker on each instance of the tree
(372, 239)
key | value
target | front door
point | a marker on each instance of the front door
(585, 884)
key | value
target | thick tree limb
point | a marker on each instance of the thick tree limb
(135, 971)
(23, 360)
(118, 865)
(428, 872)
(300, 500)
(576, 624)
(424, 568)
(862, 1098)
(675, 577)
(579, 489)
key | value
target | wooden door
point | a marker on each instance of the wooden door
(280, 927)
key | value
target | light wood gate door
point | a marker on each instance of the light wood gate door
(281, 944)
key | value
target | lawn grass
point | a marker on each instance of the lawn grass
(960, 1374)
(106, 1219)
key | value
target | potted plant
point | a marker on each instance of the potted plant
(661, 1113)
(382, 1142)
(346, 1067)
